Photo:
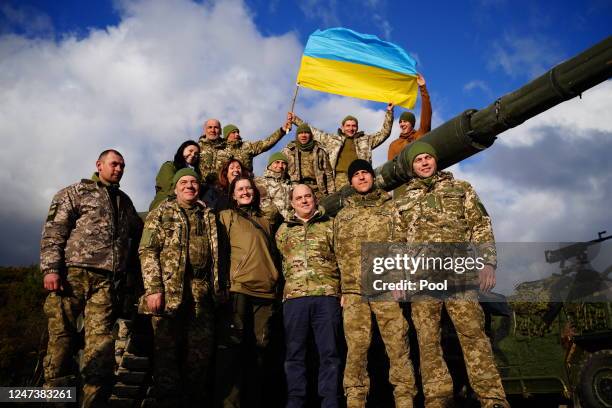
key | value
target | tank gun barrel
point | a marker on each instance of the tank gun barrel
(475, 130)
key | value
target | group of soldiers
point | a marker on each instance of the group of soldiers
(195, 260)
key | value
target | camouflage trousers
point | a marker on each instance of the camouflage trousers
(468, 318)
(183, 347)
(393, 327)
(89, 293)
(341, 180)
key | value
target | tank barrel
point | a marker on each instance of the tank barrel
(475, 130)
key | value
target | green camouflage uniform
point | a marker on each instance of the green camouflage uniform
(448, 210)
(370, 218)
(274, 191)
(309, 262)
(87, 239)
(245, 151)
(364, 144)
(323, 172)
(178, 252)
(213, 155)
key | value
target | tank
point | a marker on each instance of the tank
(475, 130)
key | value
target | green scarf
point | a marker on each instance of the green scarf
(307, 147)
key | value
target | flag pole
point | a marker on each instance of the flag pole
(297, 87)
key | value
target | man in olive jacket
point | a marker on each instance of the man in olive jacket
(179, 256)
(91, 228)
(311, 297)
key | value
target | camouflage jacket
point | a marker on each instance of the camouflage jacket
(364, 144)
(212, 157)
(245, 151)
(82, 229)
(274, 191)
(164, 251)
(372, 217)
(447, 212)
(309, 262)
(323, 170)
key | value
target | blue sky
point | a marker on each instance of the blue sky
(141, 76)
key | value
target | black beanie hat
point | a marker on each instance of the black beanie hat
(357, 165)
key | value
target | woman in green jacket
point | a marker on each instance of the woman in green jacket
(187, 155)
(252, 288)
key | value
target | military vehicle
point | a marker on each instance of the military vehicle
(559, 350)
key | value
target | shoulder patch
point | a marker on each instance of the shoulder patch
(52, 212)
(147, 237)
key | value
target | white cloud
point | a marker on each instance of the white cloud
(577, 118)
(142, 87)
(478, 84)
(520, 56)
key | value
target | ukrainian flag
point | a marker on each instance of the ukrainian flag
(344, 62)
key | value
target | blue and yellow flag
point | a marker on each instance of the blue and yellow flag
(344, 62)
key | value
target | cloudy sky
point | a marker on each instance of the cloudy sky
(141, 76)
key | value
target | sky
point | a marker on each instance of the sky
(142, 76)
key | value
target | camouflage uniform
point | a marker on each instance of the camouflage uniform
(87, 239)
(370, 218)
(323, 173)
(245, 151)
(364, 144)
(213, 155)
(312, 287)
(178, 252)
(448, 210)
(274, 191)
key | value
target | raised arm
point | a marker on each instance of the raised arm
(425, 124)
(326, 139)
(376, 139)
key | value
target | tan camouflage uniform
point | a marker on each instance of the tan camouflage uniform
(309, 262)
(311, 305)
(88, 243)
(179, 257)
(274, 191)
(450, 211)
(364, 144)
(370, 218)
(213, 155)
(245, 151)
(323, 172)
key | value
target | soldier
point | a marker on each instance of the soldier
(90, 229)
(309, 163)
(438, 208)
(312, 288)
(274, 186)
(369, 216)
(178, 252)
(349, 144)
(212, 151)
(407, 120)
(246, 151)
